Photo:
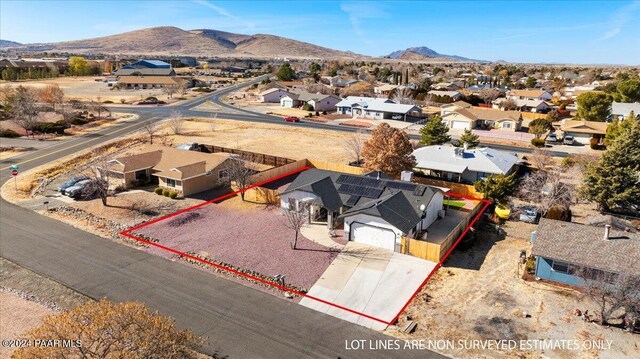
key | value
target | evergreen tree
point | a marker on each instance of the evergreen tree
(614, 181)
(469, 138)
(593, 106)
(617, 127)
(497, 188)
(285, 72)
(434, 132)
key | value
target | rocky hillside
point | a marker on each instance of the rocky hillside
(427, 54)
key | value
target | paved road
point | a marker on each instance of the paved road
(239, 321)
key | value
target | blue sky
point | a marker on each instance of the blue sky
(535, 31)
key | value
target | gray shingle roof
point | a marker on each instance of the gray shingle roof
(585, 245)
(396, 206)
(623, 109)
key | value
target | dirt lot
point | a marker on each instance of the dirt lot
(27, 298)
(245, 235)
(478, 295)
(279, 140)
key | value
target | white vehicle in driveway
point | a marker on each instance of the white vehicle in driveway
(568, 140)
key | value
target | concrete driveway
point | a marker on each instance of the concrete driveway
(369, 280)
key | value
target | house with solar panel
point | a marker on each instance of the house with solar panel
(373, 209)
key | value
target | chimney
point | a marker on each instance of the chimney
(607, 229)
(465, 146)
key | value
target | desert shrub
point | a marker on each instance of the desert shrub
(9, 133)
(530, 265)
(166, 192)
(107, 101)
(568, 161)
(173, 194)
(310, 114)
(158, 191)
(122, 101)
(538, 142)
(324, 112)
(78, 121)
(559, 213)
(317, 113)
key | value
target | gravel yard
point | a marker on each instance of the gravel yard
(248, 236)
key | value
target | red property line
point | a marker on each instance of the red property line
(127, 233)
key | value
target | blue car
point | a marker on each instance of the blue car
(71, 182)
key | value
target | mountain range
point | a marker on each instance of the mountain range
(173, 41)
(425, 53)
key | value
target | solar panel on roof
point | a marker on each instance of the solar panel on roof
(407, 186)
(419, 191)
(352, 200)
(360, 181)
(360, 191)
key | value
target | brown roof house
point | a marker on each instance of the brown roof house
(458, 116)
(183, 171)
(585, 132)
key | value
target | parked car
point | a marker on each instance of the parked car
(291, 119)
(568, 140)
(396, 117)
(529, 215)
(76, 190)
(71, 182)
(189, 146)
(552, 138)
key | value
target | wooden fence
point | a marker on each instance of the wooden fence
(435, 251)
(250, 156)
(338, 167)
(459, 188)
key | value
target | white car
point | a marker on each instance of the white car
(568, 140)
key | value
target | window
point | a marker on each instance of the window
(170, 182)
(562, 267)
(223, 173)
(506, 125)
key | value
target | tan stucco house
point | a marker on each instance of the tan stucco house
(183, 171)
(473, 117)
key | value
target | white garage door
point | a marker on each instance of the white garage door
(459, 124)
(373, 236)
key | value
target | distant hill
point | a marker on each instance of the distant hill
(173, 41)
(427, 53)
(7, 43)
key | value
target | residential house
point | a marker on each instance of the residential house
(454, 95)
(446, 86)
(477, 117)
(525, 105)
(385, 90)
(374, 210)
(337, 81)
(183, 171)
(272, 95)
(376, 108)
(452, 107)
(621, 110)
(563, 249)
(456, 164)
(584, 132)
(319, 102)
(529, 94)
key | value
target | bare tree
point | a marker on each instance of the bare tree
(490, 94)
(354, 144)
(97, 107)
(24, 109)
(240, 173)
(150, 128)
(547, 189)
(614, 296)
(170, 90)
(97, 171)
(541, 159)
(296, 218)
(52, 94)
(176, 122)
(403, 96)
(509, 104)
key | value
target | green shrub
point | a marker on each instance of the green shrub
(173, 194)
(9, 133)
(530, 266)
(78, 121)
(166, 192)
(538, 142)
(307, 107)
(158, 191)
(317, 113)
(568, 161)
(122, 101)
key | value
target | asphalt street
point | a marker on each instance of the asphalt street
(238, 321)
